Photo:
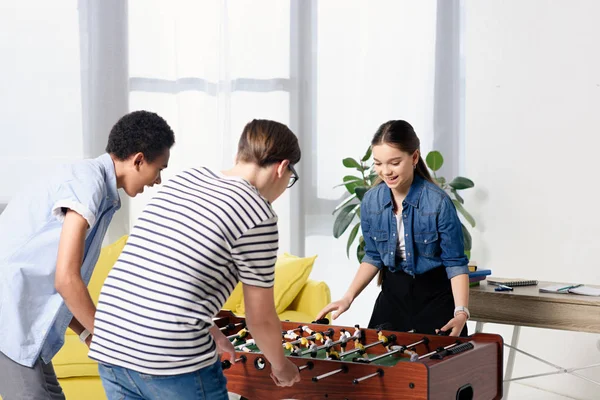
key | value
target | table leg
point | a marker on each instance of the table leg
(511, 359)
(478, 327)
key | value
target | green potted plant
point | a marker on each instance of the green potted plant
(358, 184)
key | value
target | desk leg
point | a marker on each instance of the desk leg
(511, 359)
(478, 327)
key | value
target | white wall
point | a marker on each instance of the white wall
(532, 116)
(40, 96)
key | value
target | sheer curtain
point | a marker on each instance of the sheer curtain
(332, 70)
(209, 67)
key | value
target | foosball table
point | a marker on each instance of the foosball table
(341, 362)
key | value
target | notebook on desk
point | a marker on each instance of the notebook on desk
(512, 282)
(575, 289)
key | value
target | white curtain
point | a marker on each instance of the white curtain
(332, 70)
(209, 67)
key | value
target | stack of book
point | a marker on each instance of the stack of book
(477, 275)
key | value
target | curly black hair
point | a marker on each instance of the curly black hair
(140, 132)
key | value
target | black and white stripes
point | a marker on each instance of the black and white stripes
(201, 234)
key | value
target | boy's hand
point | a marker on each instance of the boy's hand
(223, 344)
(287, 375)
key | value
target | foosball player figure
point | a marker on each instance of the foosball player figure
(244, 347)
(316, 335)
(242, 333)
(331, 353)
(357, 336)
(344, 337)
(291, 334)
(294, 349)
(403, 350)
(314, 349)
(384, 340)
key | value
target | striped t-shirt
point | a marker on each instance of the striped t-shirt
(200, 235)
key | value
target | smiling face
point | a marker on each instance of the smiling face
(394, 166)
(142, 173)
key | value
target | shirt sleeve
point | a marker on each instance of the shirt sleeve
(372, 255)
(83, 197)
(255, 254)
(452, 241)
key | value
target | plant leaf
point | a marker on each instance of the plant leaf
(458, 197)
(350, 187)
(372, 178)
(360, 191)
(344, 218)
(434, 160)
(351, 163)
(360, 249)
(343, 203)
(351, 238)
(349, 178)
(467, 238)
(460, 183)
(367, 154)
(464, 212)
(440, 180)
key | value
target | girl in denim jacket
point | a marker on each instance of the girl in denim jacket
(413, 240)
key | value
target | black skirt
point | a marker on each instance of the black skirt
(422, 303)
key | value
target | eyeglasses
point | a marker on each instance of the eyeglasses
(294, 178)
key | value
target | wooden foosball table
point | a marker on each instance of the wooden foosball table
(341, 362)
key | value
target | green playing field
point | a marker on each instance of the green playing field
(321, 354)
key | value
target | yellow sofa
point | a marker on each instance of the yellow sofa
(298, 298)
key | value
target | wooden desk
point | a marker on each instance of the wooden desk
(526, 306)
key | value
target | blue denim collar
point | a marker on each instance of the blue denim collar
(413, 196)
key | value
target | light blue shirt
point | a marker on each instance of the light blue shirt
(33, 316)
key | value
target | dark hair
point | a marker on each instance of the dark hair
(265, 142)
(140, 132)
(401, 135)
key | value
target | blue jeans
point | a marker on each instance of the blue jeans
(208, 383)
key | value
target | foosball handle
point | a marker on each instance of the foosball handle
(451, 351)
(444, 333)
(226, 364)
(309, 365)
(322, 321)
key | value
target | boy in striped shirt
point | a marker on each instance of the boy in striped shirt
(201, 234)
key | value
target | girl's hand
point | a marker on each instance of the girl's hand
(338, 308)
(456, 324)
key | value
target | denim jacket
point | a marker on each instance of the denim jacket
(432, 231)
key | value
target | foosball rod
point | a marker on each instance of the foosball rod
(443, 348)
(356, 350)
(309, 365)
(321, 347)
(364, 378)
(401, 349)
(232, 326)
(344, 369)
(311, 337)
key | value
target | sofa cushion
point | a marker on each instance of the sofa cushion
(234, 299)
(291, 273)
